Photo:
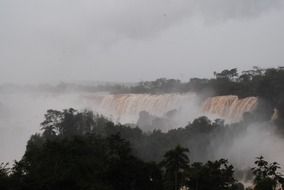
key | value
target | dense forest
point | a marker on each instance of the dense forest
(82, 150)
(141, 95)
(266, 84)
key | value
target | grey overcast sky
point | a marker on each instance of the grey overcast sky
(133, 40)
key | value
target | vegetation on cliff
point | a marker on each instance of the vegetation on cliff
(80, 150)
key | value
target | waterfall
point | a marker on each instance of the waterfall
(229, 107)
(125, 108)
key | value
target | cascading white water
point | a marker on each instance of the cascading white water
(125, 108)
(230, 108)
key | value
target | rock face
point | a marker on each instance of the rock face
(125, 108)
(229, 107)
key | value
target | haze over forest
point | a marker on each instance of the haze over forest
(153, 94)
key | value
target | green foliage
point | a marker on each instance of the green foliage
(4, 170)
(266, 175)
(84, 162)
(196, 136)
(4, 176)
(217, 175)
(238, 186)
(267, 84)
(70, 122)
(161, 85)
(80, 150)
(175, 163)
(227, 74)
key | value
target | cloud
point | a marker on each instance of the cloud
(87, 21)
(44, 36)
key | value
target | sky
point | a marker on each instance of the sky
(132, 40)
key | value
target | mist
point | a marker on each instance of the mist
(60, 54)
(52, 41)
(258, 139)
(21, 115)
(23, 111)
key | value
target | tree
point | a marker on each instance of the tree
(203, 124)
(175, 162)
(68, 122)
(52, 122)
(4, 176)
(217, 175)
(83, 161)
(266, 175)
(227, 74)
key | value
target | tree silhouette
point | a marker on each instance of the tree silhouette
(4, 175)
(68, 122)
(217, 175)
(266, 175)
(51, 124)
(175, 162)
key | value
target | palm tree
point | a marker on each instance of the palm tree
(175, 162)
